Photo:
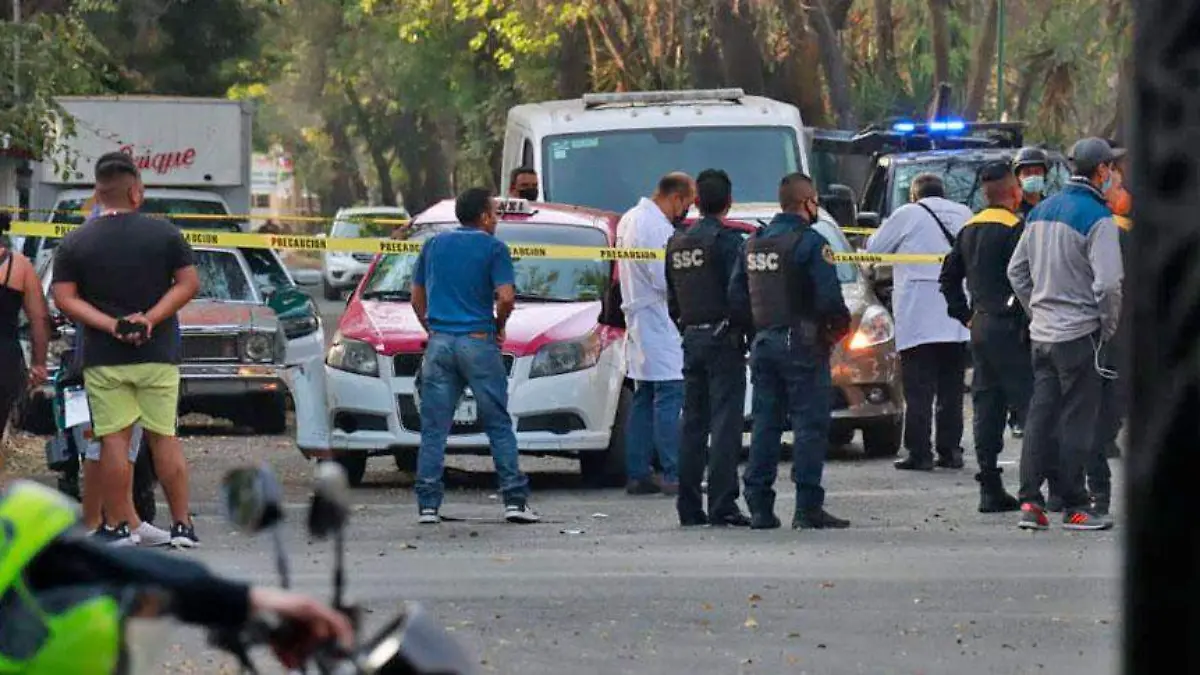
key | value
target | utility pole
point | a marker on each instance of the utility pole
(1000, 60)
(16, 12)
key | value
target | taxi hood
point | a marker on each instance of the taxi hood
(392, 327)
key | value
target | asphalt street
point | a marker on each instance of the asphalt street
(922, 583)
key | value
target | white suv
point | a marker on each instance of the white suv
(342, 271)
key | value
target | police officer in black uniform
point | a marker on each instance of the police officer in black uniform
(700, 261)
(788, 279)
(1003, 376)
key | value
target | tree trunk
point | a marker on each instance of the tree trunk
(347, 188)
(704, 59)
(885, 41)
(941, 41)
(742, 62)
(981, 69)
(573, 75)
(798, 80)
(833, 59)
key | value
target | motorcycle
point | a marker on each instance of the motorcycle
(70, 443)
(412, 643)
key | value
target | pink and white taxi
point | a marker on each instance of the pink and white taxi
(565, 369)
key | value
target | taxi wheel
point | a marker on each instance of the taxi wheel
(840, 437)
(406, 460)
(883, 439)
(145, 484)
(330, 293)
(355, 466)
(606, 468)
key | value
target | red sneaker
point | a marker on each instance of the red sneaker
(1033, 517)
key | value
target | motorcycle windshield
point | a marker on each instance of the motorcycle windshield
(415, 643)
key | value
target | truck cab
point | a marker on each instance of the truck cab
(606, 151)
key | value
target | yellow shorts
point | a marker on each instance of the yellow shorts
(142, 392)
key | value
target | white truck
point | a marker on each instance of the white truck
(194, 155)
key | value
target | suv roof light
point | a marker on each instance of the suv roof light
(934, 126)
(663, 97)
(511, 206)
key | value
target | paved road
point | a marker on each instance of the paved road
(921, 584)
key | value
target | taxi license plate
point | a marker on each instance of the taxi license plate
(466, 413)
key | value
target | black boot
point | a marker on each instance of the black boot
(914, 463)
(950, 459)
(1101, 502)
(762, 512)
(992, 497)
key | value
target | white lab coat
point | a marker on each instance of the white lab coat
(653, 346)
(917, 300)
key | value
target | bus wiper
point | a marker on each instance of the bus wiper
(533, 297)
(386, 295)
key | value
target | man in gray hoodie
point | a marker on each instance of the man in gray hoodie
(1066, 271)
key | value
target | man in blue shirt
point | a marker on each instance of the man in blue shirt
(787, 279)
(457, 275)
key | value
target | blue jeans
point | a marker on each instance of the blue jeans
(654, 423)
(791, 381)
(451, 363)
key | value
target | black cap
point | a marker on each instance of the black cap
(112, 163)
(1089, 153)
(994, 171)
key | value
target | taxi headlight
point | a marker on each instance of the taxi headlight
(258, 347)
(875, 328)
(352, 356)
(568, 356)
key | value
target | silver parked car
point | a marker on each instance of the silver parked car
(233, 349)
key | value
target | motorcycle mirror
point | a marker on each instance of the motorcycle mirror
(253, 499)
(331, 500)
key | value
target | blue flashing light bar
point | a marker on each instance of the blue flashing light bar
(933, 127)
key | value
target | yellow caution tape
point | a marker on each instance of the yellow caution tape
(359, 218)
(287, 242)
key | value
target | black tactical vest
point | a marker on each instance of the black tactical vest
(699, 284)
(780, 292)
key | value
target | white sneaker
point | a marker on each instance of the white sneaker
(429, 517)
(149, 535)
(520, 514)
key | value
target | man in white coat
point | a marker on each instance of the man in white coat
(653, 346)
(933, 346)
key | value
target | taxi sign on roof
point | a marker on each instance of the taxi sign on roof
(510, 206)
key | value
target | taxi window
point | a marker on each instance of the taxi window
(537, 279)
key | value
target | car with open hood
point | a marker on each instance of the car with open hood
(566, 370)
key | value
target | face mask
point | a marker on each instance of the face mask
(528, 194)
(1033, 184)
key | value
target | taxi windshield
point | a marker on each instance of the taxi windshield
(537, 279)
(611, 170)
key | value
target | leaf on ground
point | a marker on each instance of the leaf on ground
(706, 606)
(754, 597)
(751, 622)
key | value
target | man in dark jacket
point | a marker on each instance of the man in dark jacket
(1003, 377)
(700, 261)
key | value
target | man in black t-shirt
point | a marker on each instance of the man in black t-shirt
(124, 277)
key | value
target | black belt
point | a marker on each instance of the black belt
(702, 326)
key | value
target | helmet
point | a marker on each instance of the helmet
(67, 629)
(1030, 156)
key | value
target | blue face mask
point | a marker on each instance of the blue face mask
(1033, 184)
(1107, 184)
